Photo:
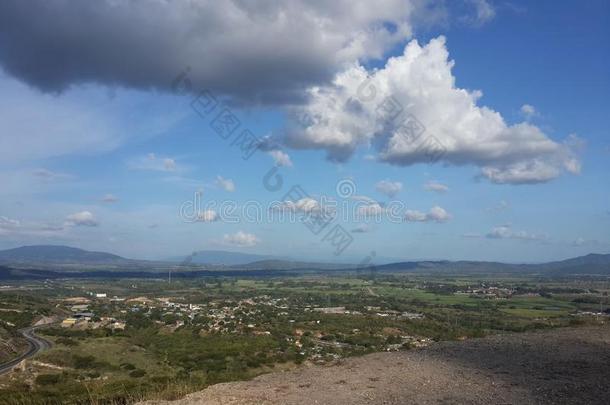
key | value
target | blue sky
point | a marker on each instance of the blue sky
(103, 156)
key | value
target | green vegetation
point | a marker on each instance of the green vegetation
(148, 339)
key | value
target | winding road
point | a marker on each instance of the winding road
(36, 344)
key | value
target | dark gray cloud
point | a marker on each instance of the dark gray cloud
(268, 52)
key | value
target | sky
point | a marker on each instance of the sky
(350, 131)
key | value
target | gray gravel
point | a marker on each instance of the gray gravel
(561, 366)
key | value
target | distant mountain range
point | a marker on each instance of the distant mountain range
(57, 254)
(222, 257)
(590, 264)
(68, 259)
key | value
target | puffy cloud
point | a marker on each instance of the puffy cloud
(242, 239)
(389, 188)
(287, 46)
(528, 111)
(207, 216)
(415, 216)
(169, 164)
(579, 241)
(363, 199)
(225, 184)
(505, 232)
(436, 186)
(411, 112)
(110, 198)
(83, 218)
(306, 205)
(281, 158)
(436, 214)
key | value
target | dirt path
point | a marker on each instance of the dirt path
(567, 366)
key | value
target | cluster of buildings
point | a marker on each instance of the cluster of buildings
(82, 318)
(488, 291)
(223, 316)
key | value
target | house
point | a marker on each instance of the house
(79, 308)
(77, 300)
(140, 300)
(68, 322)
(331, 310)
(118, 325)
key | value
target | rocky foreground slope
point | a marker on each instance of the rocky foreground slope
(563, 366)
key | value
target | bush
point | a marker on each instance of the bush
(83, 361)
(137, 373)
(48, 379)
(128, 366)
(66, 341)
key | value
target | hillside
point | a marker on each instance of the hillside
(11, 343)
(64, 258)
(222, 257)
(57, 254)
(276, 264)
(589, 264)
(567, 366)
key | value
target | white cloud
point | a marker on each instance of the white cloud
(8, 225)
(281, 158)
(208, 216)
(389, 188)
(169, 164)
(83, 218)
(528, 111)
(505, 232)
(110, 198)
(412, 112)
(436, 186)
(363, 198)
(225, 184)
(18, 229)
(436, 214)
(306, 205)
(579, 241)
(241, 239)
(484, 12)
(154, 163)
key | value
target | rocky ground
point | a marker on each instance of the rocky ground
(563, 366)
(11, 345)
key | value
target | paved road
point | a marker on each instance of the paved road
(36, 343)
